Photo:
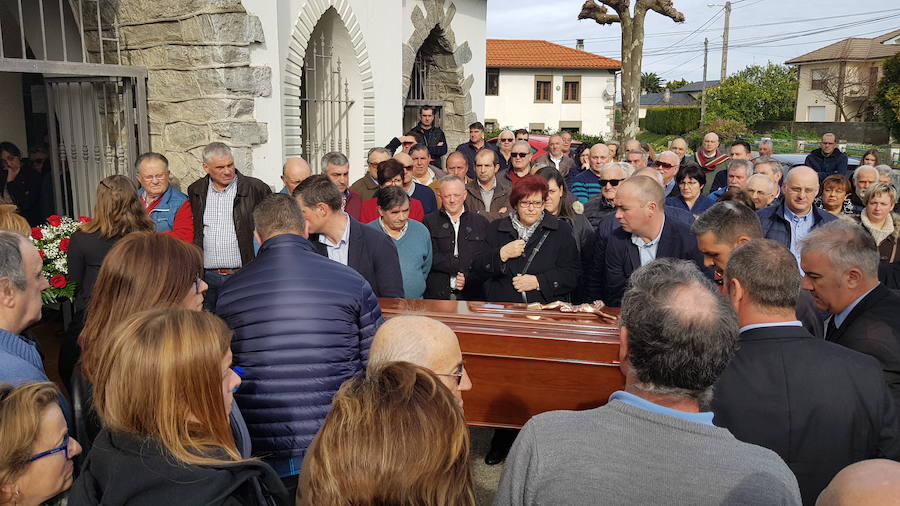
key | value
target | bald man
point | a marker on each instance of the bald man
(643, 235)
(709, 157)
(874, 482)
(293, 172)
(793, 218)
(425, 342)
(588, 184)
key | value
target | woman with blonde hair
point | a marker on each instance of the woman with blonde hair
(13, 221)
(163, 389)
(395, 436)
(36, 451)
(878, 218)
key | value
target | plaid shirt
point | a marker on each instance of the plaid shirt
(220, 244)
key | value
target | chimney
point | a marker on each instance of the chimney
(579, 44)
(667, 96)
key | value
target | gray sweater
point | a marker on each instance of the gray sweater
(622, 454)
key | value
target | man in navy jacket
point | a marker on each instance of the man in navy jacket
(338, 236)
(302, 324)
(644, 235)
(828, 159)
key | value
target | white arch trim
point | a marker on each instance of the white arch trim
(293, 71)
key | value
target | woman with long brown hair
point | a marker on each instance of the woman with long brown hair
(394, 436)
(117, 212)
(163, 389)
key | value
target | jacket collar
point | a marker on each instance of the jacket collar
(550, 222)
(879, 292)
(286, 240)
(780, 332)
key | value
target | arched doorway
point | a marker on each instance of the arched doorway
(326, 88)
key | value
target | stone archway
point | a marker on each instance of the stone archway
(433, 43)
(301, 36)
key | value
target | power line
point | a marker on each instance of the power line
(712, 18)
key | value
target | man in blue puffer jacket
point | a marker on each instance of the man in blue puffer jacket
(302, 324)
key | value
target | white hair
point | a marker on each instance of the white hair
(865, 167)
(763, 177)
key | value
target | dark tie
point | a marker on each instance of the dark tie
(831, 329)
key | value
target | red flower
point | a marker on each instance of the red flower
(41, 253)
(58, 281)
(54, 220)
(36, 233)
(64, 244)
(84, 219)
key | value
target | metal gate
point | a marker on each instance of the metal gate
(95, 132)
(324, 104)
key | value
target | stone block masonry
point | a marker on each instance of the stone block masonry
(200, 86)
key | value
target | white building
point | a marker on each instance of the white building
(270, 79)
(539, 85)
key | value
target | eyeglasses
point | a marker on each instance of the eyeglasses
(457, 375)
(531, 204)
(64, 448)
(664, 165)
(614, 182)
(826, 143)
(689, 182)
(197, 281)
(506, 140)
(407, 167)
(516, 154)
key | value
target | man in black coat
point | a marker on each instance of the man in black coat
(456, 236)
(645, 234)
(840, 262)
(338, 236)
(226, 240)
(431, 135)
(727, 225)
(820, 406)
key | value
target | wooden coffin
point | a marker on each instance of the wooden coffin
(524, 362)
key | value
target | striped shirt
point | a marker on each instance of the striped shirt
(220, 244)
(586, 185)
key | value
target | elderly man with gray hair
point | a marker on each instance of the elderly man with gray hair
(668, 163)
(677, 336)
(773, 169)
(222, 204)
(840, 265)
(738, 172)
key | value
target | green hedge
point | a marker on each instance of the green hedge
(671, 120)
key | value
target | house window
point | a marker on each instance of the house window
(492, 82)
(572, 89)
(817, 79)
(573, 127)
(543, 88)
(815, 113)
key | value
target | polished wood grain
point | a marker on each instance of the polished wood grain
(525, 362)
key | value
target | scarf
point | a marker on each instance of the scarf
(880, 234)
(709, 164)
(524, 232)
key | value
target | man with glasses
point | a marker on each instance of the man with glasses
(168, 207)
(368, 184)
(432, 136)
(791, 220)
(504, 147)
(519, 162)
(476, 142)
(488, 195)
(667, 163)
(417, 191)
(587, 184)
(425, 342)
(601, 205)
(827, 159)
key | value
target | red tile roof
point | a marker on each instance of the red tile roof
(540, 54)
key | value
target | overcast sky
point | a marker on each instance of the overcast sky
(794, 27)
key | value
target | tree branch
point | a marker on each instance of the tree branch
(592, 10)
(663, 7)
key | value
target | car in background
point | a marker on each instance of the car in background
(790, 160)
(539, 145)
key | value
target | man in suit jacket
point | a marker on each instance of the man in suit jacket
(726, 226)
(644, 235)
(820, 406)
(338, 236)
(554, 157)
(840, 262)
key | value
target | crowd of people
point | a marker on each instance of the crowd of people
(228, 346)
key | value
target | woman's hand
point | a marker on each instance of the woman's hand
(512, 249)
(526, 283)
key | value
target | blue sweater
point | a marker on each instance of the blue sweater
(20, 362)
(414, 250)
(585, 186)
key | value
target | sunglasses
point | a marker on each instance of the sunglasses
(518, 155)
(506, 140)
(64, 448)
(614, 182)
(408, 143)
(407, 167)
(664, 165)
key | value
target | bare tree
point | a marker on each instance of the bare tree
(632, 46)
(851, 88)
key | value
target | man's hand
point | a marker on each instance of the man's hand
(525, 282)
(512, 249)
(460, 281)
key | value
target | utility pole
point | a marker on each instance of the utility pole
(703, 92)
(725, 41)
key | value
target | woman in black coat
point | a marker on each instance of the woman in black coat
(531, 255)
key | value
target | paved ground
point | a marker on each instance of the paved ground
(486, 477)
